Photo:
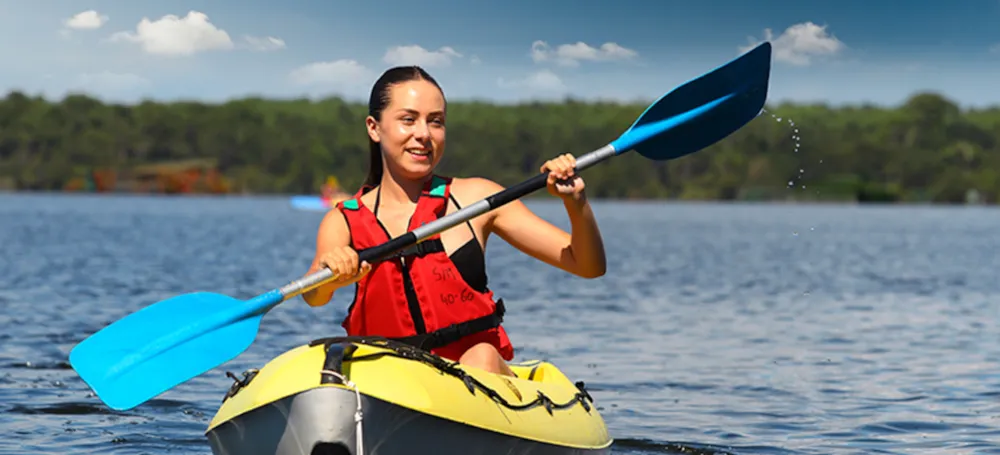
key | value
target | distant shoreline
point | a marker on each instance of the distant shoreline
(533, 198)
(925, 151)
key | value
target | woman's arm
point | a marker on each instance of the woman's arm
(332, 235)
(580, 253)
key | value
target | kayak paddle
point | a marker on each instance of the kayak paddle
(167, 343)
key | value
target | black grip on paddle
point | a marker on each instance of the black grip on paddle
(517, 191)
(378, 253)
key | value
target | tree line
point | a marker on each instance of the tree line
(926, 150)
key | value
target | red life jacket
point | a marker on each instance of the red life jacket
(425, 301)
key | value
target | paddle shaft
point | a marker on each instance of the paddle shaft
(379, 252)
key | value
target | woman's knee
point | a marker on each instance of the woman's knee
(486, 357)
(480, 353)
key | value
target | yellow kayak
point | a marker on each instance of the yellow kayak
(317, 399)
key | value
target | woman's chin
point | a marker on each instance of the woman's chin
(415, 171)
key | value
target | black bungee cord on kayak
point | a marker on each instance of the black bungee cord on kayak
(341, 349)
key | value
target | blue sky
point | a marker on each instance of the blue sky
(836, 52)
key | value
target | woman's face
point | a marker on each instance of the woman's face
(411, 131)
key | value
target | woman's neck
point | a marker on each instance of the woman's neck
(400, 191)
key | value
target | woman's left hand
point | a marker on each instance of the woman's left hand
(563, 180)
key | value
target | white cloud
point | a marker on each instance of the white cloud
(995, 48)
(334, 74)
(475, 60)
(541, 81)
(416, 55)
(177, 36)
(572, 54)
(86, 20)
(265, 44)
(799, 43)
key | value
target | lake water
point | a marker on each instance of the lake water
(745, 329)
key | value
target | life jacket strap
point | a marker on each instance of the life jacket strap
(455, 332)
(420, 249)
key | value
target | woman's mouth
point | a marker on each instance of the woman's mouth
(419, 154)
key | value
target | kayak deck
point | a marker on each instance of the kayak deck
(539, 407)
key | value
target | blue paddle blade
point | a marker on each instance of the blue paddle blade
(702, 111)
(152, 350)
(309, 203)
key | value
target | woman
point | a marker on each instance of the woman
(441, 282)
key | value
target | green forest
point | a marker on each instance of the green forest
(926, 150)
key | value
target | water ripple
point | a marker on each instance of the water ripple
(729, 329)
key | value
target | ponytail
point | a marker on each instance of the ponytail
(374, 164)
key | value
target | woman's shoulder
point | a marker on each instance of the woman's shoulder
(471, 189)
(334, 223)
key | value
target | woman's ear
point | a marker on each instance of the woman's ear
(372, 126)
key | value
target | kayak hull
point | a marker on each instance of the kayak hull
(321, 422)
(305, 402)
(306, 423)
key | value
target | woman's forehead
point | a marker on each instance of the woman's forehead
(417, 95)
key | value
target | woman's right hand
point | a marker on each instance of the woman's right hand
(343, 262)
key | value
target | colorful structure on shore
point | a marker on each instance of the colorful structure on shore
(195, 176)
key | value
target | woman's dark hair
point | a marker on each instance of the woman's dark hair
(377, 102)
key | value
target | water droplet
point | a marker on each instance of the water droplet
(803, 187)
(795, 233)
(813, 228)
(801, 170)
(791, 183)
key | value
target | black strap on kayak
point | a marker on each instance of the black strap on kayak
(335, 354)
(239, 384)
(452, 333)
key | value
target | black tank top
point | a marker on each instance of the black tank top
(469, 258)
